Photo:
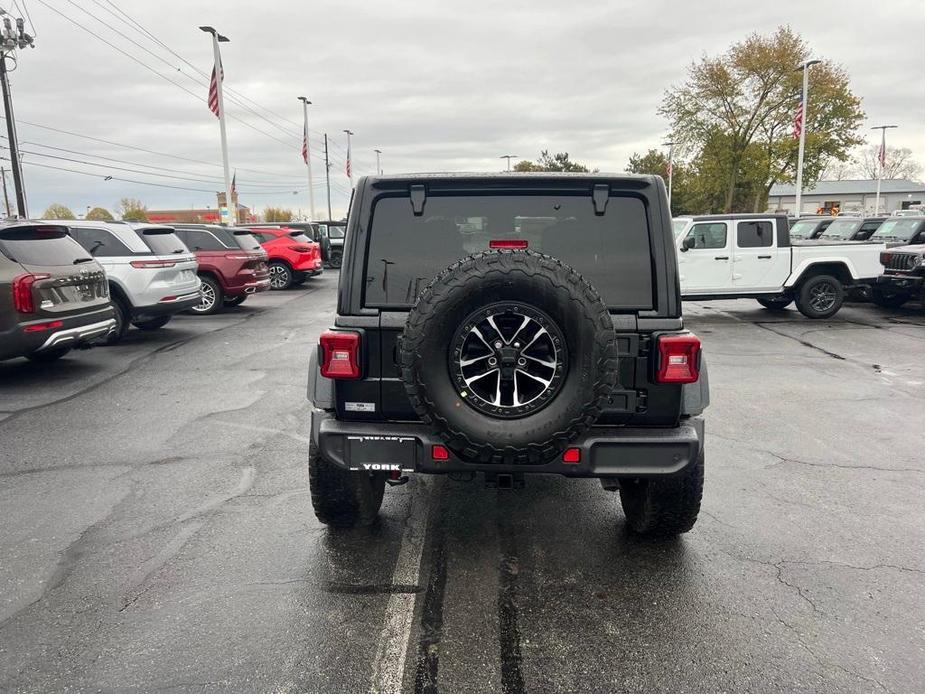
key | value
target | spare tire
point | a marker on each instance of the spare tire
(509, 356)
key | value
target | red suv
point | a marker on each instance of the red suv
(293, 255)
(232, 265)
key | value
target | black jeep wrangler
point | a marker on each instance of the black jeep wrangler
(504, 325)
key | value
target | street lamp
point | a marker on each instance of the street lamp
(508, 157)
(881, 157)
(378, 160)
(804, 107)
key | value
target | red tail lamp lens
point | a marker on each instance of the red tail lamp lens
(571, 456)
(678, 359)
(508, 243)
(22, 291)
(340, 355)
(439, 452)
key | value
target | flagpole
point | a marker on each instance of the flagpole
(308, 157)
(219, 78)
(799, 191)
(349, 162)
(881, 159)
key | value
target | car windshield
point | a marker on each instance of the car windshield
(679, 225)
(897, 229)
(841, 229)
(336, 232)
(803, 229)
(611, 249)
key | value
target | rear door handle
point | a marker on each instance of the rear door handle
(764, 257)
(721, 257)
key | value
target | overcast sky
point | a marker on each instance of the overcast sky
(437, 86)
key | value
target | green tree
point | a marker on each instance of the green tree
(58, 211)
(100, 214)
(277, 214)
(551, 162)
(741, 105)
(132, 210)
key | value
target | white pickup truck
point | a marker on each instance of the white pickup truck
(750, 256)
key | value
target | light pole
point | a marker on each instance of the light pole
(349, 163)
(378, 161)
(881, 159)
(804, 110)
(508, 157)
(10, 40)
(670, 146)
(218, 76)
(307, 156)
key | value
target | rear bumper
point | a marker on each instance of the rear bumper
(167, 308)
(900, 283)
(605, 451)
(250, 287)
(74, 331)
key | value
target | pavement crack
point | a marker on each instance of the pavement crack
(805, 343)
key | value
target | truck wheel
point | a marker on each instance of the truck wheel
(212, 299)
(775, 304)
(662, 507)
(888, 300)
(508, 356)
(153, 323)
(280, 276)
(342, 498)
(820, 297)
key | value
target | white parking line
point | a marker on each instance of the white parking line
(389, 663)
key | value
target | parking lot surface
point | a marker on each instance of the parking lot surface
(157, 530)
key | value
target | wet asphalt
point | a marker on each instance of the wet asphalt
(157, 533)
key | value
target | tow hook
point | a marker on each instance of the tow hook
(396, 479)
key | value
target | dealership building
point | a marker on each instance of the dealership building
(848, 196)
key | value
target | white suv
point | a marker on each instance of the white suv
(151, 274)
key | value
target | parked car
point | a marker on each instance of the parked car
(805, 228)
(903, 277)
(151, 274)
(232, 265)
(679, 225)
(750, 255)
(851, 229)
(510, 362)
(335, 232)
(53, 294)
(292, 256)
(311, 229)
(901, 231)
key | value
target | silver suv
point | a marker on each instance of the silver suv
(151, 274)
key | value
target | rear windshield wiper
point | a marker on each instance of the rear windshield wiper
(82, 260)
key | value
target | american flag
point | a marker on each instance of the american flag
(798, 122)
(668, 168)
(305, 144)
(349, 170)
(213, 91)
(234, 184)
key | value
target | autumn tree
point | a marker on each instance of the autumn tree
(741, 105)
(132, 210)
(551, 162)
(58, 211)
(277, 214)
(899, 163)
(655, 162)
(100, 214)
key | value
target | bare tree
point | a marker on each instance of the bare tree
(899, 163)
(840, 170)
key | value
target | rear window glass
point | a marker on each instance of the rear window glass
(237, 239)
(300, 237)
(162, 243)
(197, 240)
(263, 236)
(611, 251)
(37, 246)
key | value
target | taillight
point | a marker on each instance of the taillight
(146, 264)
(340, 354)
(22, 291)
(678, 359)
(885, 258)
(508, 243)
(301, 248)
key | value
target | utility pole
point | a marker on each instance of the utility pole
(804, 107)
(881, 158)
(218, 72)
(10, 40)
(349, 163)
(378, 160)
(6, 199)
(508, 157)
(670, 146)
(307, 155)
(327, 174)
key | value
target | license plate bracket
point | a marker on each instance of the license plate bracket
(381, 453)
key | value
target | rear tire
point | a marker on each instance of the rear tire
(280, 276)
(888, 300)
(153, 323)
(341, 498)
(123, 320)
(775, 304)
(212, 297)
(820, 296)
(663, 507)
(49, 355)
